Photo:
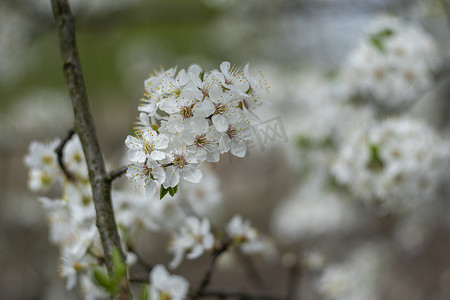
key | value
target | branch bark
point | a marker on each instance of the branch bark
(224, 294)
(84, 127)
(59, 154)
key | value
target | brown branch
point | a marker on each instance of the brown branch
(209, 272)
(59, 154)
(251, 271)
(224, 294)
(117, 173)
(294, 275)
(446, 8)
(84, 127)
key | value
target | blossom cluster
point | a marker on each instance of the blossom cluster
(388, 67)
(356, 278)
(72, 219)
(397, 163)
(188, 117)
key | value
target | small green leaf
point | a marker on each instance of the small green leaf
(303, 141)
(163, 192)
(144, 292)
(375, 162)
(120, 268)
(172, 191)
(378, 39)
(101, 278)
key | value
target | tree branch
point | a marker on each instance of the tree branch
(84, 127)
(251, 271)
(224, 294)
(117, 173)
(59, 153)
(209, 272)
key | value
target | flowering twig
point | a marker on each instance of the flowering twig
(224, 294)
(117, 173)
(59, 153)
(209, 272)
(294, 273)
(84, 127)
(250, 270)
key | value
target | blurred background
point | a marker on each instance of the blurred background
(300, 46)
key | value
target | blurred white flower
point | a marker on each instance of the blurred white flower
(313, 214)
(397, 163)
(166, 286)
(193, 238)
(392, 65)
(358, 277)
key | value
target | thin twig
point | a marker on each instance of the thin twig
(251, 271)
(212, 264)
(446, 8)
(141, 260)
(85, 128)
(117, 173)
(59, 154)
(135, 279)
(294, 274)
(224, 294)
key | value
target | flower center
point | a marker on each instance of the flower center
(220, 108)
(179, 161)
(231, 132)
(148, 148)
(186, 112)
(77, 157)
(200, 140)
(47, 159)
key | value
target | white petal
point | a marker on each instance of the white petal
(131, 142)
(177, 259)
(159, 174)
(159, 276)
(157, 155)
(136, 155)
(225, 67)
(161, 142)
(172, 178)
(238, 148)
(194, 176)
(220, 122)
(224, 144)
(150, 189)
(197, 251)
(208, 241)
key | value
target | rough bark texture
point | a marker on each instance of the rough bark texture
(84, 127)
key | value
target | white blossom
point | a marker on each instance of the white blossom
(166, 286)
(193, 238)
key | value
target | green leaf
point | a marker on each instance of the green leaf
(163, 191)
(144, 292)
(101, 278)
(375, 162)
(120, 268)
(171, 190)
(378, 39)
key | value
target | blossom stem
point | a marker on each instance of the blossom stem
(117, 173)
(207, 278)
(224, 294)
(59, 154)
(84, 127)
(251, 271)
